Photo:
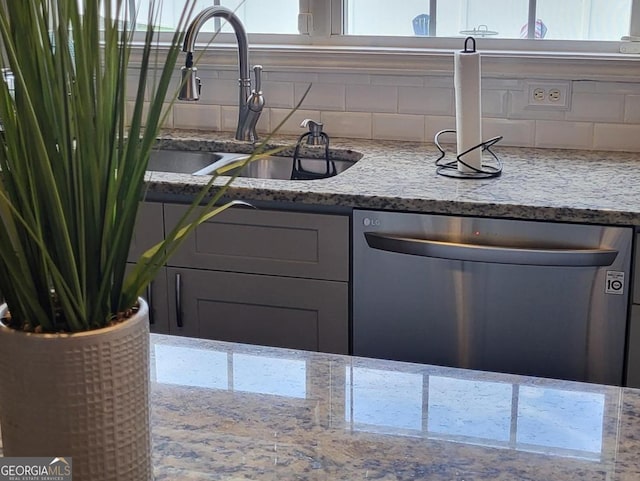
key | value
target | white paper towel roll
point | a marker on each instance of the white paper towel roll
(466, 79)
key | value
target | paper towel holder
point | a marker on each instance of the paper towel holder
(450, 169)
(479, 171)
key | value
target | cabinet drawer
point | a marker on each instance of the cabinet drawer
(149, 229)
(271, 242)
(258, 309)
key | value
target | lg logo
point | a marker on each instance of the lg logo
(371, 222)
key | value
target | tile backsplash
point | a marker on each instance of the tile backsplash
(601, 115)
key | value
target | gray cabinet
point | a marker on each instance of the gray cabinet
(258, 309)
(633, 353)
(636, 270)
(263, 277)
(633, 333)
(242, 239)
(157, 298)
(149, 230)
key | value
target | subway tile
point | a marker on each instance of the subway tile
(264, 122)
(584, 86)
(621, 137)
(618, 87)
(632, 109)
(191, 115)
(494, 103)
(371, 98)
(133, 79)
(292, 125)
(347, 124)
(321, 96)
(595, 107)
(520, 133)
(219, 91)
(130, 106)
(430, 101)
(434, 124)
(278, 94)
(397, 80)
(132, 84)
(445, 82)
(343, 78)
(490, 83)
(514, 132)
(228, 118)
(301, 77)
(398, 127)
(168, 121)
(174, 86)
(564, 135)
(224, 74)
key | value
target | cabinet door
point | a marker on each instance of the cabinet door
(633, 349)
(294, 244)
(256, 309)
(636, 272)
(156, 297)
(149, 229)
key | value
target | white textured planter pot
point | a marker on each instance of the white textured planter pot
(83, 395)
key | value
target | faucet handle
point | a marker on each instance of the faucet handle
(257, 71)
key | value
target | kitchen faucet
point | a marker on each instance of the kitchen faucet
(250, 102)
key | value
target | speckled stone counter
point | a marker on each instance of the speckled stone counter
(223, 411)
(545, 184)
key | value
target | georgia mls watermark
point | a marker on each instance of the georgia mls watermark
(35, 469)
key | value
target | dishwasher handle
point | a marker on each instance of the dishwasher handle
(491, 254)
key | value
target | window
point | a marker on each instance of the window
(258, 16)
(330, 21)
(568, 38)
(565, 20)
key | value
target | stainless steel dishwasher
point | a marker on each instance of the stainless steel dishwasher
(525, 297)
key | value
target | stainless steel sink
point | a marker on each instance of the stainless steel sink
(227, 163)
(277, 167)
(182, 162)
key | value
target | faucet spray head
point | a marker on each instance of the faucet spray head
(191, 84)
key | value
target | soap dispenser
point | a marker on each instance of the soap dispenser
(314, 136)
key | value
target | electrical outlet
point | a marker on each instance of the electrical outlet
(538, 94)
(555, 95)
(548, 95)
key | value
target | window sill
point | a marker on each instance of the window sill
(512, 64)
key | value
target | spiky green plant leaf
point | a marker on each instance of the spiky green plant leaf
(72, 164)
(73, 160)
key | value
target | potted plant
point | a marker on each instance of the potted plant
(74, 372)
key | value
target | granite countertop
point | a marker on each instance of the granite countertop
(224, 411)
(543, 184)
